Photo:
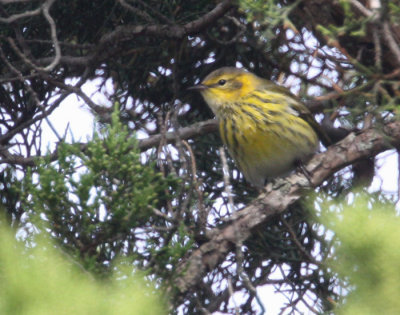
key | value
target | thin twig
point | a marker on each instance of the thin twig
(378, 48)
(361, 8)
(19, 16)
(155, 12)
(53, 129)
(46, 7)
(15, 1)
(238, 240)
(231, 293)
(227, 185)
(136, 11)
(297, 242)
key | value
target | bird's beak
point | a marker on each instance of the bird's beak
(198, 87)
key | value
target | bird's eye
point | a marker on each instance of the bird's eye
(222, 82)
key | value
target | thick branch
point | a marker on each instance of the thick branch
(276, 200)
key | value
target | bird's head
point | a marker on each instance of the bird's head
(226, 86)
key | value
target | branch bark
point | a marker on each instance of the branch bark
(276, 200)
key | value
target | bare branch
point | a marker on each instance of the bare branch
(155, 12)
(121, 33)
(46, 8)
(393, 46)
(19, 16)
(189, 132)
(15, 1)
(360, 7)
(136, 11)
(167, 31)
(196, 129)
(227, 184)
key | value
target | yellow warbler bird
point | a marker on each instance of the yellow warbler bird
(267, 130)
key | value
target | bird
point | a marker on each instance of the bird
(267, 130)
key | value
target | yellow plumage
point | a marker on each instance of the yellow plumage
(266, 129)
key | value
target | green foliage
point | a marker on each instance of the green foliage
(367, 253)
(96, 200)
(394, 11)
(40, 281)
(353, 24)
(10, 197)
(270, 12)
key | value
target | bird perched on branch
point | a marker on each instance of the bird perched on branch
(267, 130)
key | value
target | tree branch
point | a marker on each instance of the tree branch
(107, 45)
(184, 133)
(188, 132)
(167, 31)
(276, 200)
(16, 17)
